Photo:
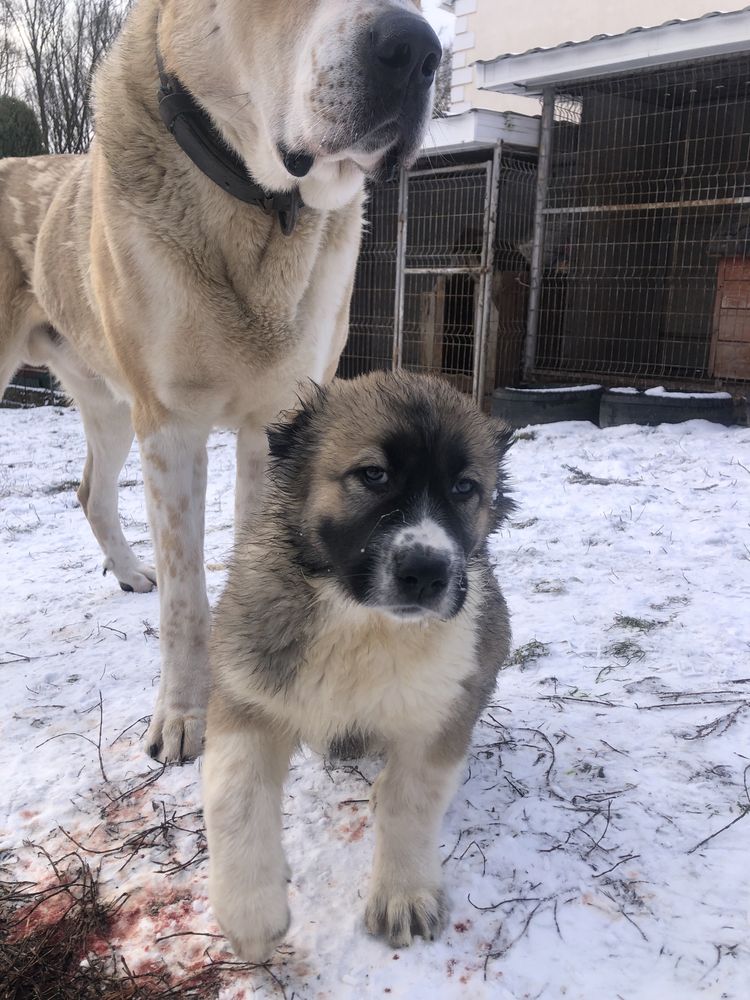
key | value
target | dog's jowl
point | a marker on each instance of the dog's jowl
(198, 263)
(360, 606)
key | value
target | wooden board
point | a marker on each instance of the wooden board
(730, 342)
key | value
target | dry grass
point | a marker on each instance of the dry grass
(54, 944)
(637, 624)
(46, 933)
(530, 651)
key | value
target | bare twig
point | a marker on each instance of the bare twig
(622, 861)
(745, 811)
(581, 701)
(716, 728)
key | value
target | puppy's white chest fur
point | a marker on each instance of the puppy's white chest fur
(368, 671)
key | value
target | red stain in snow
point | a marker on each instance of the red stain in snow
(35, 917)
(462, 926)
(450, 967)
(353, 831)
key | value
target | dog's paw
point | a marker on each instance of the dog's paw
(398, 916)
(257, 924)
(173, 739)
(136, 576)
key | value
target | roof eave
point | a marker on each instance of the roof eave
(530, 72)
(480, 129)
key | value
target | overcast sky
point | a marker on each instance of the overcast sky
(440, 20)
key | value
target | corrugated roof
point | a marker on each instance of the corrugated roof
(712, 35)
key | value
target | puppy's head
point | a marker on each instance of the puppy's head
(388, 485)
(322, 90)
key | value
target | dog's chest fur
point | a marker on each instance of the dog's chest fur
(367, 672)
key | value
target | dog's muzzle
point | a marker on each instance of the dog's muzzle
(403, 53)
(422, 576)
(399, 55)
(423, 573)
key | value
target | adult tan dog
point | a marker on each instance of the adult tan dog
(168, 305)
(360, 607)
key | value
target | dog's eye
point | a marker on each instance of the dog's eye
(464, 487)
(373, 475)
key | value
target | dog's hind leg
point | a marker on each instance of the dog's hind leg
(174, 470)
(410, 798)
(245, 764)
(109, 435)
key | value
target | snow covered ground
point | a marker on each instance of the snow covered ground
(578, 853)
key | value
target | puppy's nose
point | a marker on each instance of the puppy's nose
(422, 575)
(403, 47)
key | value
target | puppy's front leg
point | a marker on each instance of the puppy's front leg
(244, 767)
(412, 794)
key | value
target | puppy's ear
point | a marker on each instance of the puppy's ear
(284, 435)
(281, 435)
(503, 437)
(502, 503)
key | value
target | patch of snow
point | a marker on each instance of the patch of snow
(558, 388)
(576, 852)
(659, 390)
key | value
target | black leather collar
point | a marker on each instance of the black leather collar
(197, 136)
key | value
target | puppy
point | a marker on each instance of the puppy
(360, 606)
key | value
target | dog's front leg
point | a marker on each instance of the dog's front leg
(244, 768)
(252, 455)
(409, 798)
(174, 471)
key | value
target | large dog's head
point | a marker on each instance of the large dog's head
(328, 89)
(387, 485)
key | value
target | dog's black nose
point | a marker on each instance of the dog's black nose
(403, 49)
(422, 575)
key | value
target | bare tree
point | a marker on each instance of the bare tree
(62, 42)
(10, 55)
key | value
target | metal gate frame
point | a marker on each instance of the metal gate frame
(482, 272)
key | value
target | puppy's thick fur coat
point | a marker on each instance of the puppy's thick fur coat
(360, 606)
(167, 306)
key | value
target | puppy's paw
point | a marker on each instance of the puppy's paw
(173, 739)
(399, 915)
(255, 925)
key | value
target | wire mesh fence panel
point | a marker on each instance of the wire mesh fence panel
(510, 274)
(446, 292)
(648, 204)
(439, 326)
(372, 312)
(445, 248)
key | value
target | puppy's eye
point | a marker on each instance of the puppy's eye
(464, 487)
(373, 475)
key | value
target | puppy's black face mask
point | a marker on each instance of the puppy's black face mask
(408, 525)
(391, 508)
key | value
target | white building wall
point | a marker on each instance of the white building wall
(489, 28)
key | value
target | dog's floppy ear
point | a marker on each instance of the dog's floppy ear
(503, 438)
(283, 435)
(502, 503)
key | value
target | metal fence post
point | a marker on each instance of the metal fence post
(401, 235)
(537, 252)
(487, 269)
